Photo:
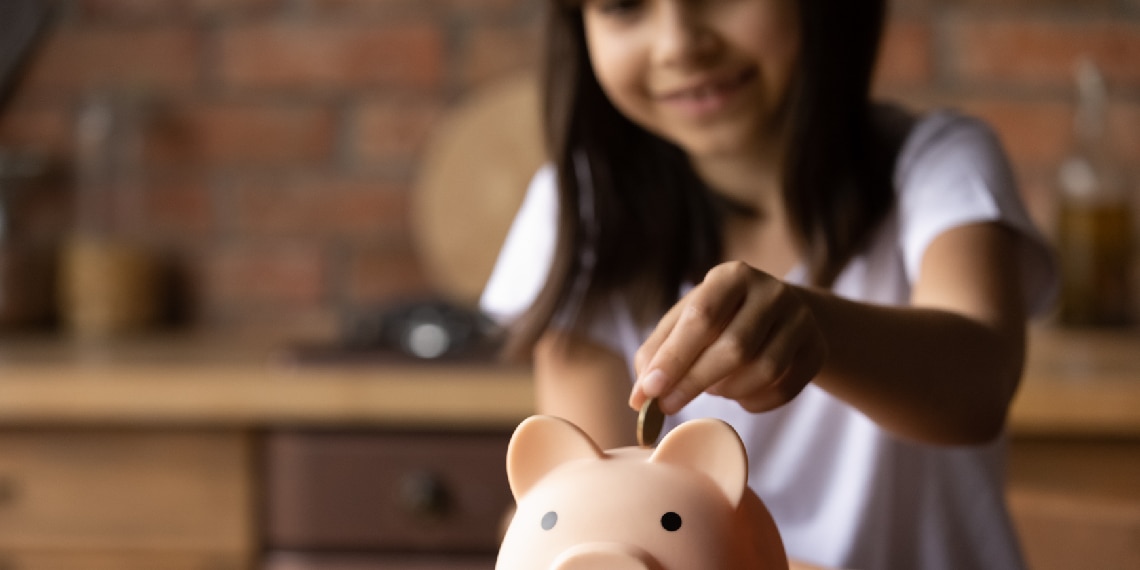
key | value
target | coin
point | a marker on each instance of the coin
(649, 422)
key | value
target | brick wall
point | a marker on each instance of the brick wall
(286, 133)
(1012, 63)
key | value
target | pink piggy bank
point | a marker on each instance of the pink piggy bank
(685, 505)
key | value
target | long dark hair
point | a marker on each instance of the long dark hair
(654, 225)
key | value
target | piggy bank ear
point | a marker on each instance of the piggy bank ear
(540, 444)
(711, 447)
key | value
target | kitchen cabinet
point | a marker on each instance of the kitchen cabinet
(214, 454)
(298, 561)
(1076, 501)
(427, 499)
(211, 454)
(1074, 460)
(100, 499)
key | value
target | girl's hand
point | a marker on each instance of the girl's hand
(741, 334)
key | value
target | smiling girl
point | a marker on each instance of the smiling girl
(728, 223)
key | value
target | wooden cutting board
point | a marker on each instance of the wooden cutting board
(472, 180)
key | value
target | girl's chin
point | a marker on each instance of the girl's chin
(718, 144)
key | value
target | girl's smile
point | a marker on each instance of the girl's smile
(707, 96)
(710, 76)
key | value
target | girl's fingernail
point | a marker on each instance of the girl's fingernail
(653, 384)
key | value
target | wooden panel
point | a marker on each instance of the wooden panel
(103, 391)
(133, 560)
(299, 561)
(473, 178)
(1079, 381)
(1076, 502)
(124, 490)
(369, 491)
(1061, 532)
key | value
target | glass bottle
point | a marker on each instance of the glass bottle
(1094, 231)
(110, 279)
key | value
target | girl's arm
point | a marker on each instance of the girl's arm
(586, 383)
(942, 370)
(946, 369)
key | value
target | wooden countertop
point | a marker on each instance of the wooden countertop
(244, 382)
(1080, 382)
(1077, 383)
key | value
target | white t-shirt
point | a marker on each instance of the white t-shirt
(844, 492)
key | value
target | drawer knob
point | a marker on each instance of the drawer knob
(424, 494)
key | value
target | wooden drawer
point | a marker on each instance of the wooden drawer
(301, 561)
(124, 491)
(437, 492)
(127, 560)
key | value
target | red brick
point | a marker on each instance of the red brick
(489, 5)
(372, 7)
(497, 51)
(271, 273)
(318, 206)
(906, 57)
(153, 58)
(1036, 50)
(394, 130)
(369, 7)
(382, 274)
(149, 10)
(1032, 4)
(45, 128)
(242, 134)
(41, 209)
(910, 6)
(179, 210)
(1033, 132)
(322, 57)
(1124, 134)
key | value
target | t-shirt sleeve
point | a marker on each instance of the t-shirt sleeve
(956, 173)
(524, 260)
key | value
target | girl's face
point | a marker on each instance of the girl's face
(708, 75)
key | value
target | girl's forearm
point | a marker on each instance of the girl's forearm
(587, 384)
(925, 374)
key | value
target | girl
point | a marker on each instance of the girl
(728, 224)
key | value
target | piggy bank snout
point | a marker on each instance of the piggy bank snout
(605, 556)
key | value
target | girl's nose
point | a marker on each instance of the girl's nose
(682, 37)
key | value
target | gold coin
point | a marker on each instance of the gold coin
(649, 422)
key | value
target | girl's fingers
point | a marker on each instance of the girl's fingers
(785, 367)
(645, 353)
(665, 326)
(740, 334)
(737, 346)
(692, 325)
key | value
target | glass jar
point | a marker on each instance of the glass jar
(1094, 224)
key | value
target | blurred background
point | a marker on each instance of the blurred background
(276, 142)
(243, 172)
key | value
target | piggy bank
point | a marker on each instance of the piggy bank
(684, 505)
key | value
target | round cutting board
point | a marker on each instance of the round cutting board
(474, 175)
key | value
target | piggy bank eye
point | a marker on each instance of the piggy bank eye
(549, 520)
(671, 521)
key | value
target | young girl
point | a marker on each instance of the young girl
(729, 224)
